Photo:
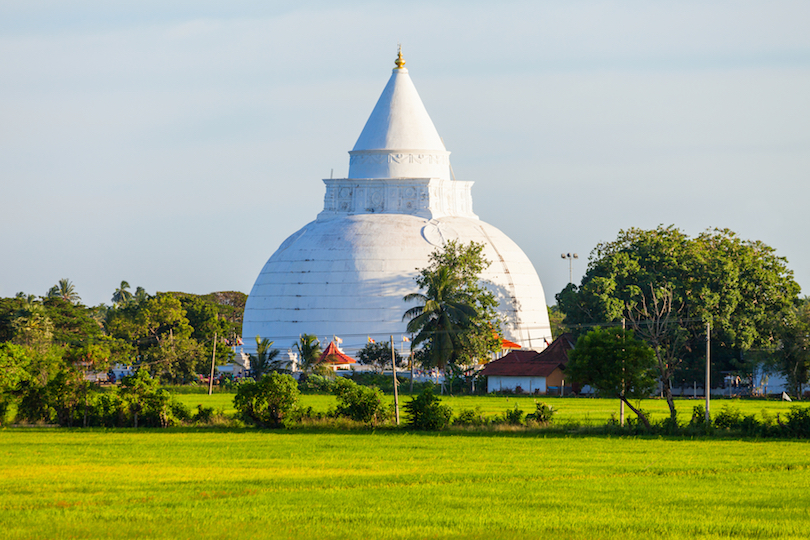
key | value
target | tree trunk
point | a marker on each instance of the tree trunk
(638, 412)
(673, 414)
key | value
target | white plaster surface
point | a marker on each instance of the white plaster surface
(346, 273)
(347, 276)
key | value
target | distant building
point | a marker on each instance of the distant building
(346, 272)
(530, 372)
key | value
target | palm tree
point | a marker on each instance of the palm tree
(121, 295)
(440, 317)
(309, 353)
(140, 295)
(264, 360)
(64, 290)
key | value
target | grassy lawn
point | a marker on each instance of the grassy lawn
(586, 411)
(190, 483)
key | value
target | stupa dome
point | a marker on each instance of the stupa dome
(346, 273)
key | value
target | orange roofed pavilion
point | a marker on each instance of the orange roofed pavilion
(334, 357)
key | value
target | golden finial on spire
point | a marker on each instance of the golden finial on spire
(400, 62)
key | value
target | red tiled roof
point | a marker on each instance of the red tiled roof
(333, 356)
(532, 363)
(506, 344)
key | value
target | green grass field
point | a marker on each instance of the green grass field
(187, 483)
(585, 411)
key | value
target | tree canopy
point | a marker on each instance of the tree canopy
(667, 286)
(455, 319)
(616, 364)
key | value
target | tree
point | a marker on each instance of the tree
(264, 360)
(793, 354)
(360, 403)
(377, 355)
(64, 290)
(616, 364)
(122, 296)
(268, 401)
(456, 318)
(309, 355)
(668, 286)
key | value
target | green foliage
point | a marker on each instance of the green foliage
(797, 424)
(360, 403)
(470, 417)
(793, 355)
(316, 383)
(309, 354)
(64, 290)
(148, 404)
(269, 401)
(378, 355)
(514, 416)
(427, 412)
(668, 286)
(543, 413)
(455, 319)
(264, 360)
(615, 363)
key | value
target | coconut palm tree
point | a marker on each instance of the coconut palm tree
(140, 295)
(264, 360)
(309, 354)
(122, 296)
(439, 318)
(64, 290)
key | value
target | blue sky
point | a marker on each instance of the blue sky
(175, 145)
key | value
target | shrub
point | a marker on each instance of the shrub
(514, 416)
(204, 415)
(728, 418)
(470, 417)
(269, 401)
(148, 404)
(316, 383)
(360, 403)
(427, 412)
(698, 417)
(543, 413)
(798, 423)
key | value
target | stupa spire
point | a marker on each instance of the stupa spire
(400, 62)
(399, 139)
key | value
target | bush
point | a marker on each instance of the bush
(360, 403)
(470, 417)
(316, 383)
(728, 418)
(204, 415)
(543, 413)
(427, 412)
(268, 402)
(698, 417)
(148, 404)
(513, 416)
(798, 423)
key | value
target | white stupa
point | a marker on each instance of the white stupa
(345, 273)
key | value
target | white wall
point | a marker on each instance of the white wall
(530, 385)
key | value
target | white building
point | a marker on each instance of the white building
(346, 273)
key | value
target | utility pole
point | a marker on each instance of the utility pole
(396, 383)
(621, 401)
(708, 368)
(213, 360)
